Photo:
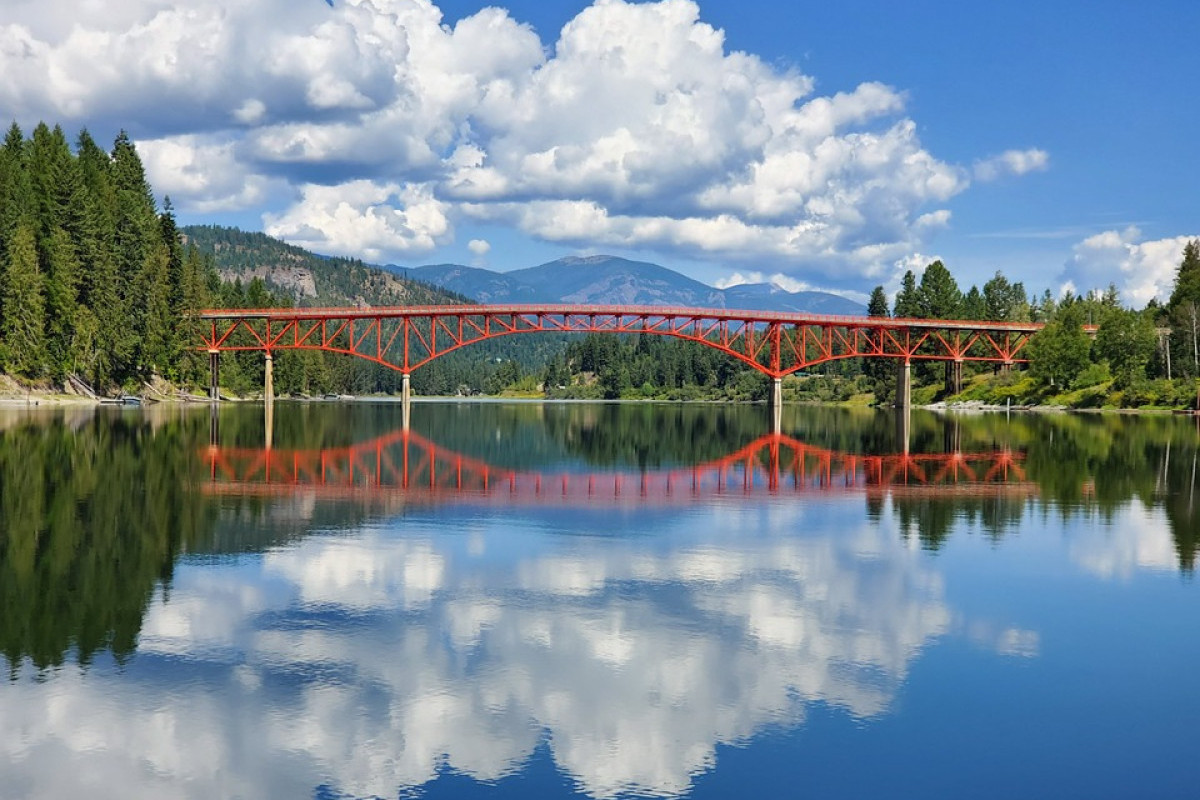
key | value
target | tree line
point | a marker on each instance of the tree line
(95, 280)
(1090, 341)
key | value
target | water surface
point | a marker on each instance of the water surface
(513, 600)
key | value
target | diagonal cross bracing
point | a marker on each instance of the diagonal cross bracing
(774, 343)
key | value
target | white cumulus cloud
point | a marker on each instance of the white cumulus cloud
(637, 127)
(363, 218)
(1141, 270)
(778, 279)
(1011, 162)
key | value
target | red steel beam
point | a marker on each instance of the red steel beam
(774, 343)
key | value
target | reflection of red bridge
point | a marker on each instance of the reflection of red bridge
(409, 466)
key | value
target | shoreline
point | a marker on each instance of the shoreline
(43, 399)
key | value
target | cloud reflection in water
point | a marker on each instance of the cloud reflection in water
(367, 662)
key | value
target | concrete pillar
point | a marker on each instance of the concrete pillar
(776, 401)
(269, 381)
(214, 375)
(405, 399)
(269, 403)
(904, 385)
(269, 425)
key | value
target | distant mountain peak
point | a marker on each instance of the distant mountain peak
(612, 280)
(596, 259)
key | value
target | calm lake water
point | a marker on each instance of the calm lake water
(520, 600)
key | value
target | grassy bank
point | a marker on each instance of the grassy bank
(1094, 390)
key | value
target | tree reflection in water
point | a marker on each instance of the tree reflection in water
(97, 508)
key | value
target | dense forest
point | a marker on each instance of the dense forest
(95, 279)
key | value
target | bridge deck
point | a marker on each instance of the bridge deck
(657, 312)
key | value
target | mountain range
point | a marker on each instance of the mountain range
(602, 280)
(610, 280)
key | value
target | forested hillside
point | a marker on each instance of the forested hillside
(95, 280)
(306, 278)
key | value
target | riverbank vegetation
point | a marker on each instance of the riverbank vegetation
(98, 286)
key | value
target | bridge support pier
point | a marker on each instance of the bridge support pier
(214, 375)
(405, 398)
(269, 381)
(776, 401)
(269, 402)
(904, 384)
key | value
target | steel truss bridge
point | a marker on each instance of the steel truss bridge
(776, 344)
(406, 467)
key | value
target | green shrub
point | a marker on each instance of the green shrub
(1092, 375)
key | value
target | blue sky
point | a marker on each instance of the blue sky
(827, 146)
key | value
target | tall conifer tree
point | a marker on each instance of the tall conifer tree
(138, 261)
(878, 369)
(1183, 314)
(24, 312)
(15, 195)
(99, 292)
(62, 287)
(939, 296)
(907, 305)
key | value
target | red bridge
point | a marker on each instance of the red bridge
(407, 467)
(776, 344)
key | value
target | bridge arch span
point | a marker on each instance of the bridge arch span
(776, 344)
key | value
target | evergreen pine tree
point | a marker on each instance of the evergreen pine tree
(154, 321)
(195, 296)
(52, 182)
(938, 296)
(62, 279)
(975, 306)
(907, 305)
(1183, 314)
(15, 195)
(99, 291)
(23, 305)
(1187, 277)
(138, 263)
(877, 306)
(875, 368)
